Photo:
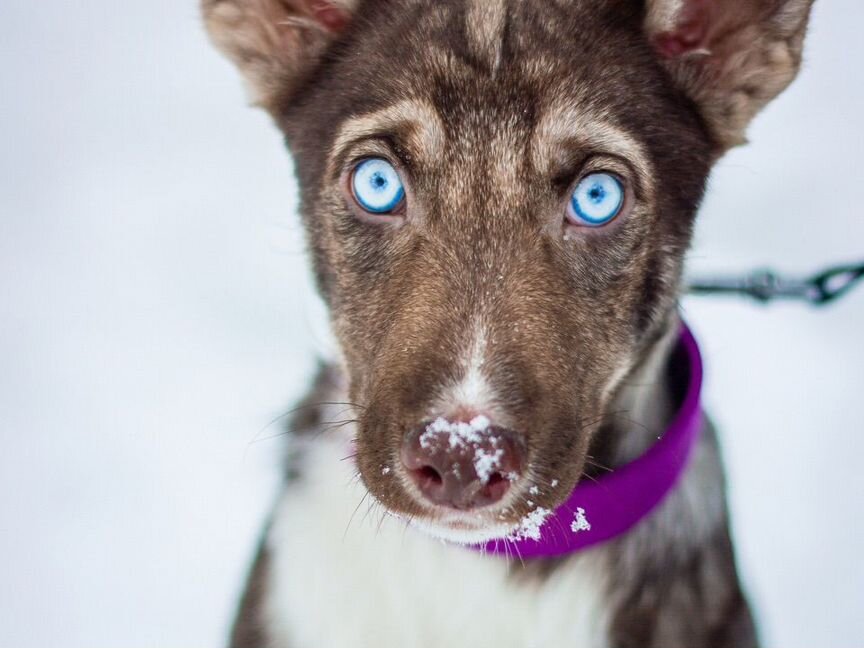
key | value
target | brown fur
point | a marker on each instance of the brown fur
(486, 242)
(490, 111)
(250, 628)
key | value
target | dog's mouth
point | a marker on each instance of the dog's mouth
(506, 520)
(464, 530)
(479, 528)
(518, 516)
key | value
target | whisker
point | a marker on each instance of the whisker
(328, 426)
(370, 506)
(518, 553)
(303, 406)
(337, 425)
(383, 512)
(592, 478)
(351, 519)
(596, 464)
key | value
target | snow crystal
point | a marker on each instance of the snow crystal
(580, 523)
(554, 483)
(534, 490)
(385, 470)
(459, 433)
(480, 423)
(486, 463)
(530, 525)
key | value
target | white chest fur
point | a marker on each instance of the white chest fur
(376, 583)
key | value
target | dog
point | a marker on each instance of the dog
(498, 197)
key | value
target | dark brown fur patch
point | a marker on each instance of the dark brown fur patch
(478, 244)
(684, 601)
(250, 625)
(491, 111)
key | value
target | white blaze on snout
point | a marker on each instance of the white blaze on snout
(472, 393)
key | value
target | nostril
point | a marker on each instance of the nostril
(428, 476)
(494, 489)
(495, 479)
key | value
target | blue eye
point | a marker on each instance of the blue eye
(597, 199)
(376, 186)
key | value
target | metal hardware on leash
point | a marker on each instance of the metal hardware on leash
(765, 285)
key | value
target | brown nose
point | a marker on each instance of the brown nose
(462, 465)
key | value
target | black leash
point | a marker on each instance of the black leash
(765, 286)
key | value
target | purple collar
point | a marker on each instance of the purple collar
(600, 510)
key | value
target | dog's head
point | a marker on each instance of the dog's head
(498, 196)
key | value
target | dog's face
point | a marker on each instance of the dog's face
(499, 195)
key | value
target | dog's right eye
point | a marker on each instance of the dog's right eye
(376, 186)
(597, 200)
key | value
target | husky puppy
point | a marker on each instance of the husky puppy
(498, 197)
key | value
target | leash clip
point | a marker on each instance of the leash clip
(766, 285)
(836, 282)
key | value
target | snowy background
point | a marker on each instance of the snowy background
(156, 314)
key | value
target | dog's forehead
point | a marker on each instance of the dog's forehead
(485, 21)
(512, 49)
(492, 83)
(485, 33)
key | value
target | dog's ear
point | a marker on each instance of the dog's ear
(274, 42)
(730, 56)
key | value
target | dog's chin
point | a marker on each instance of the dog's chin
(463, 531)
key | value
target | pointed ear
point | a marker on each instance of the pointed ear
(274, 43)
(730, 56)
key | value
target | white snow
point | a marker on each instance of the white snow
(580, 522)
(486, 462)
(459, 433)
(530, 525)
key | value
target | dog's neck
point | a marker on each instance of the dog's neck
(642, 407)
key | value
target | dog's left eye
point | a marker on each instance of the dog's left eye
(376, 186)
(596, 200)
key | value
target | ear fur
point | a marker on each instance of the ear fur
(274, 42)
(730, 56)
